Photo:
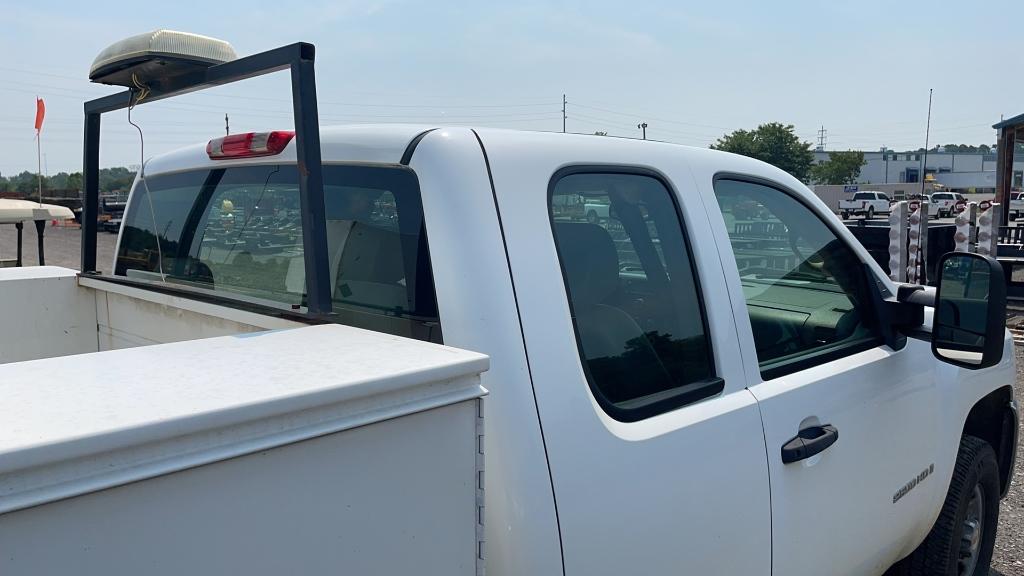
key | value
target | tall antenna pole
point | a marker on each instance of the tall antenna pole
(563, 113)
(227, 129)
(927, 132)
(39, 161)
(822, 138)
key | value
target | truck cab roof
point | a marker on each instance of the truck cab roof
(383, 143)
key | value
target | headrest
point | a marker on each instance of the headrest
(590, 261)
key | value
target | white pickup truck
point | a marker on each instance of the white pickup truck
(866, 203)
(1016, 205)
(673, 389)
(945, 203)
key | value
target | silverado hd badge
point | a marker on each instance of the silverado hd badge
(913, 483)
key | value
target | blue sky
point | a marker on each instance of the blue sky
(692, 71)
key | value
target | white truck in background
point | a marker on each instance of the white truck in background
(1016, 205)
(945, 203)
(666, 387)
(866, 203)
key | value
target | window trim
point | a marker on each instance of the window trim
(824, 355)
(690, 393)
(240, 301)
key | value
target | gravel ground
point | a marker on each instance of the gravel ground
(1008, 559)
(62, 248)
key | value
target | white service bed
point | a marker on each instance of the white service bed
(315, 450)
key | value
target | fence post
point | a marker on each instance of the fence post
(965, 223)
(898, 242)
(988, 231)
(918, 243)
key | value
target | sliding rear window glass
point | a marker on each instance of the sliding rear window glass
(238, 232)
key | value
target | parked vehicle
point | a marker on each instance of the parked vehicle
(946, 203)
(1016, 205)
(667, 386)
(596, 212)
(866, 203)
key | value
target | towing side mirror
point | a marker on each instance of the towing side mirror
(970, 311)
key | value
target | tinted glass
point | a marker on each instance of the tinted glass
(864, 196)
(238, 232)
(632, 289)
(805, 289)
(962, 311)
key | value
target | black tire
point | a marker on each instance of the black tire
(941, 551)
(871, 212)
(846, 215)
(592, 217)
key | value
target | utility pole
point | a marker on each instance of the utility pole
(927, 131)
(822, 138)
(563, 113)
(643, 126)
(227, 129)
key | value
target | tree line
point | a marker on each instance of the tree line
(27, 183)
(778, 144)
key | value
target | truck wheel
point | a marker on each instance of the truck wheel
(960, 543)
(592, 217)
(871, 212)
(846, 215)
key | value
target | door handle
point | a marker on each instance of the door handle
(810, 441)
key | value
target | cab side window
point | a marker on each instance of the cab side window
(634, 296)
(806, 290)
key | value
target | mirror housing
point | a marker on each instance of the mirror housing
(969, 323)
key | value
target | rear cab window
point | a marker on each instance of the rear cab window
(634, 296)
(236, 233)
(864, 196)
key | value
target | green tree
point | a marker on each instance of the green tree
(74, 181)
(774, 143)
(840, 168)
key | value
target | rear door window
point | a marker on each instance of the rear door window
(633, 292)
(237, 232)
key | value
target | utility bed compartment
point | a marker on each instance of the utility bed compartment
(320, 449)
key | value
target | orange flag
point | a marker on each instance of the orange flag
(40, 112)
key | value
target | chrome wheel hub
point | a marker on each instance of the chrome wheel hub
(972, 532)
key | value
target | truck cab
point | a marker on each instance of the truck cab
(641, 362)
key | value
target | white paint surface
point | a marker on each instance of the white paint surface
(43, 313)
(394, 497)
(135, 413)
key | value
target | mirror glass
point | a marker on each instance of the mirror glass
(961, 313)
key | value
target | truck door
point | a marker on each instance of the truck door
(656, 449)
(849, 422)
